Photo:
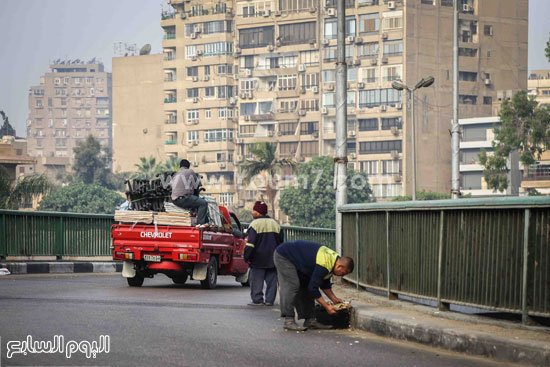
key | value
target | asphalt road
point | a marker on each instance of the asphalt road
(162, 324)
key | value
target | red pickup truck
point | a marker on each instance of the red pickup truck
(181, 252)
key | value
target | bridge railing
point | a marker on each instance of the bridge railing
(26, 233)
(487, 253)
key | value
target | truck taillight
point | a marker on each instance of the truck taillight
(125, 255)
(188, 256)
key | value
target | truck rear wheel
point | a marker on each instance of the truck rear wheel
(136, 281)
(211, 274)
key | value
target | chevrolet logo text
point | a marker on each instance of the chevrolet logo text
(156, 234)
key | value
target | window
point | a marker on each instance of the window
(369, 49)
(219, 26)
(309, 104)
(256, 37)
(295, 33)
(447, 2)
(368, 124)
(330, 53)
(393, 20)
(265, 107)
(475, 133)
(256, 9)
(393, 48)
(247, 62)
(308, 128)
(225, 113)
(190, 51)
(351, 101)
(247, 130)
(287, 149)
(89, 80)
(469, 156)
(331, 28)
(369, 167)
(369, 23)
(224, 69)
(378, 147)
(296, 5)
(388, 123)
(468, 52)
(309, 148)
(287, 106)
(467, 76)
(226, 198)
(210, 92)
(352, 74)
(391, 73)
(39, 104)
(218, 48)
(248, 109)
(471, 180)
(488, 30)
(428, 2)
(287, 128)
(377, 97)
(216, 135)
(207, 113)
(193, 137)
(310, 80)
(226, 91)
(76, 80)
(192, 92)
(329, 76)
(192, 71)
(57, 81)
(386, 190)
(309, 57)
(332, 4)
(467, 99)
(328, 100)
(192, 115)
(66, 80)
(287, 82)
(206, 70)
(370, 75)
(247, 85)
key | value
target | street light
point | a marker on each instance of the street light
(399, 85)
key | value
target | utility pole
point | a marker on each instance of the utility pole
(341, 159)
(455, 130)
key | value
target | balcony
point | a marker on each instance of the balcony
(166, 15)
(539, 173)
(169, 36)
(169, 57)
(170, 142)
(171, 120)
(170, 100)
(262, 117)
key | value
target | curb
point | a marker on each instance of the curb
(62, 267)
(470, 342)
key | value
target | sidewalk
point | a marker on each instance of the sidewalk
(477, 335)
(45, 267)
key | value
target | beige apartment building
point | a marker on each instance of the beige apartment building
(239, 72)
(72, 101)
(138, 110)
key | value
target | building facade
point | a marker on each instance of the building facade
(72, 101)
(239, 72)
(138, 110)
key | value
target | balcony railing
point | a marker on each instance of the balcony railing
(538, 174)
(164, 16)
(171, 121)
(169, 57)
(169, 36)
(170, 100)
(171, 142)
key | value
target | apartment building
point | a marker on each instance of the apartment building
(72, 101)
(138, 110)
(239, 72)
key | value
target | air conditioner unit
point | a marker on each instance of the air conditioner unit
(384, 60)
(394, 130)
(278, 13)
(467, 8)
(357, 62)
(197, 29)
(270, 133)
(353, 155)
(324, 110)
(302, 112)
(183, 15)
(247, 118)
(391, 5)
(270, 48)
(394, 154)
(373, 61)
(249, 95)
(266, 13)
(193, 35)
(325, 42)
(329, 86)
(315, 134)
(222, 165)
(194, 143)
(199, 52)
(396, 178)
(194, 58)
(315, 89)
(358, 40)
(384, 36)
(195, 164)
(361, 85)
(239, 158)
(195, 78)
(312, 10)
(195, 122)
(301, 68)
(232, 100)
(399, 106)
(206, 78)
(331, 12)
(237, 50)
(350, 39)
(195, 100)
(248, 72)
(487, 81)
(243, 95)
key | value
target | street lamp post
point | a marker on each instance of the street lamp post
(399, 85)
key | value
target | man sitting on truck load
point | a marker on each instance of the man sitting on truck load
(184, 183)
(264, 235)
(302, 268)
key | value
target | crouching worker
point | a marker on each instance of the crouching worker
(302, 268)
(184, 183)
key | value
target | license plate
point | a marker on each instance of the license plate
(154, 258)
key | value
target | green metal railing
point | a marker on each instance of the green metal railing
(24, 233)
(485, 253)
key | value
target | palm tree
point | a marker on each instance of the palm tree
(15, 195)
(265, 161)
(171, 164)
(146, 169)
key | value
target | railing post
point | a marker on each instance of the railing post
(60, 239)
(525, 319)
(4, 252)
(441, 305)
(358, 264)
(390, 294)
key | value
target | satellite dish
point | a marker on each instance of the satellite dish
(145, 50)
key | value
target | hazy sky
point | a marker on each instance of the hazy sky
(35, 32)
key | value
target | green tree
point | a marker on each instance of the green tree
(171, 164)
(82, 198)
(311, 203)
(244, 215)
(147, 168)
(524, 127)
(6, 128)
(92, 163)
(265, 161)
(15, 195)
(424, 195)
(548, 49)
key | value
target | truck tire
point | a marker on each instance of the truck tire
(180, 278)
(211, 274)
(136, 281)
